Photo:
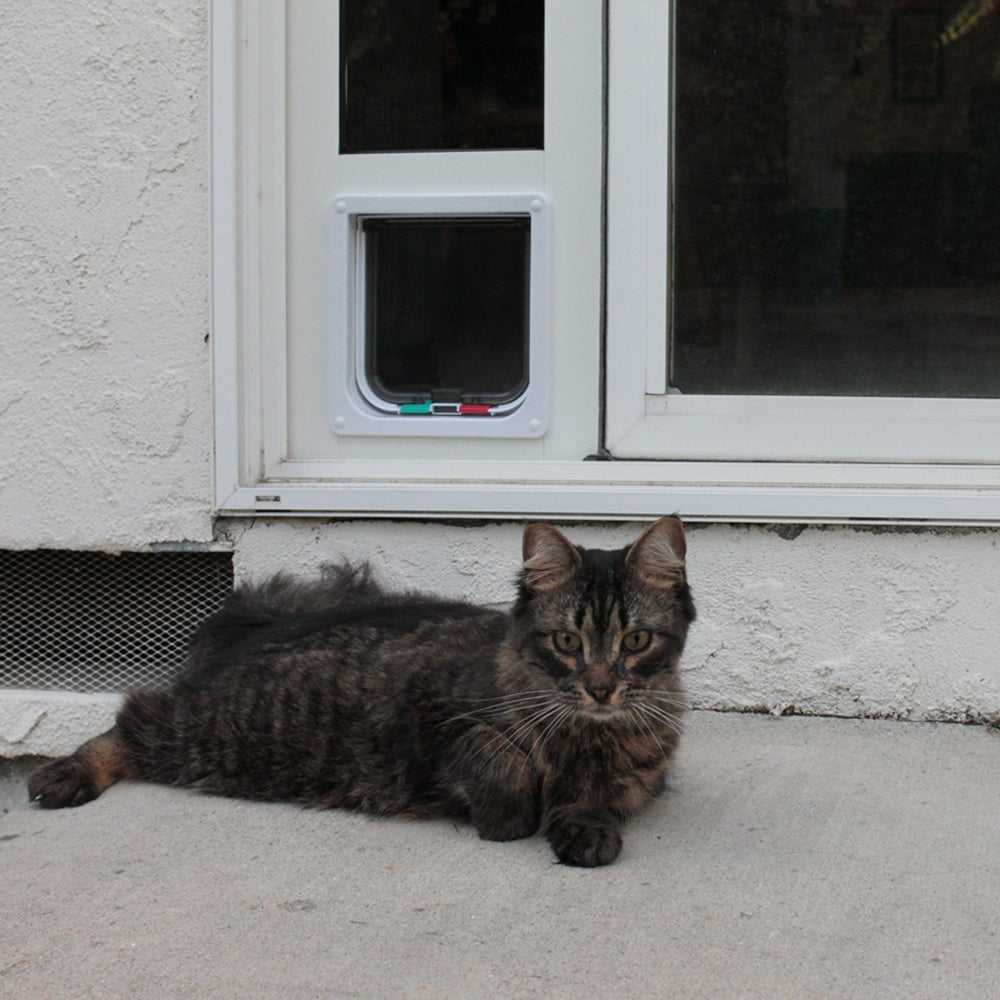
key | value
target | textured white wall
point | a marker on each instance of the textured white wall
(833, 621)
(104, 361)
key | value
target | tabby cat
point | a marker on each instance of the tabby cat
(561, 716)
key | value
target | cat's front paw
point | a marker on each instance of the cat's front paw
(585, 838)
(586, 847)
(62, 782)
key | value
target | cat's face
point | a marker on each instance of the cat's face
(604, 628)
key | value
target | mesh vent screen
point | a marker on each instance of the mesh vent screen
(86, 621)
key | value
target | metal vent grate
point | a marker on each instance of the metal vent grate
(86, 621)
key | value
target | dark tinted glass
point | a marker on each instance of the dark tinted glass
(837, 221)
(441, 74)
(447, 308)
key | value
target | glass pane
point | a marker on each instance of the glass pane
(446, 308)
(441, 74)
(837, 220)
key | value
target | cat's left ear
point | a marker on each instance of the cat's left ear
(657, 556)
(550, 558)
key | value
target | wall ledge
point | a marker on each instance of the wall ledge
(51, 723)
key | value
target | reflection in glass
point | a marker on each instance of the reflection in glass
(837, 216)
(441, 74)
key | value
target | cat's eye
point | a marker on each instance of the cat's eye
(636, 642)
(566, 642)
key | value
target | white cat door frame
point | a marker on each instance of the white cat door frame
(355, 407)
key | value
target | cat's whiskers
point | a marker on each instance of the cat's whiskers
(671, 722)
(513, 695)
(497, 711)
(663, 704)
(638, 718)
(544, 737)
(668, 719)
(500, 748)
(490, 719)
(496, 743)
(669, 706)
(525, 725)
(652, 723)
(469, 757)
(547, 732)
(567, 715)
(671, 696)
(517, 700)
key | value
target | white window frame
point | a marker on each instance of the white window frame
(700, 481)
(646, 420)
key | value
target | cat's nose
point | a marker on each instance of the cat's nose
(599, 692)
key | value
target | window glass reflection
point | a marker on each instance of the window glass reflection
(837, 217)
(441, 74)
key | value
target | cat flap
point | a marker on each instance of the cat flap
(550, 559)
(657, 556)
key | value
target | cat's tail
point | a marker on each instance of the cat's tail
(338, 584)
(254, 606)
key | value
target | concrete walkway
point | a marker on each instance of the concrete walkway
(793, 858)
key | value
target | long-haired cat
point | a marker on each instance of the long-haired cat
(561, 716)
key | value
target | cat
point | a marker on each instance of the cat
(561, 716)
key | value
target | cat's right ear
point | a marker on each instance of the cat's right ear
(550, 559)
(657, 556)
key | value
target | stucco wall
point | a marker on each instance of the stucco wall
(105, 414)
(897, 623)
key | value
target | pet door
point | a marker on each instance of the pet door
(439, 307)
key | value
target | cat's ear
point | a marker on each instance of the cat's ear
(550, 559)
(657, 556)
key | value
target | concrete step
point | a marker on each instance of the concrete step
(799, 858)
